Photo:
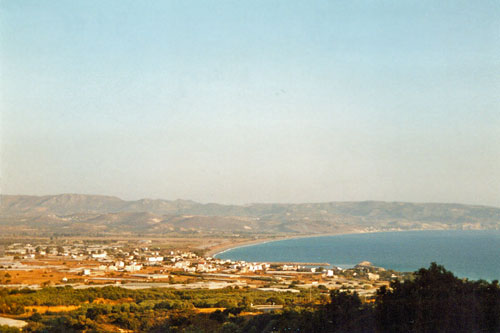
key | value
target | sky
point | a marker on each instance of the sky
(252, 101)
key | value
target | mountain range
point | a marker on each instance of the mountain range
(79, 214)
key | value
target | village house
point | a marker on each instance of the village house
(133, 267)
(99, 255)
(155, 259)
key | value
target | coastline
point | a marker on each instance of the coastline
(475, 274)
(221, 248)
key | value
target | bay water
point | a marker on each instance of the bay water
(474, 254)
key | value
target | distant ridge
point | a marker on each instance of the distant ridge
(70, 203)
(112, 214)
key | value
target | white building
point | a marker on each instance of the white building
(133, 267)
(155, 259)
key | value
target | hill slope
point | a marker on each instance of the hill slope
(77, 213)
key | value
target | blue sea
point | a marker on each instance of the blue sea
(471, 254)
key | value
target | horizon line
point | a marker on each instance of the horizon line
(252, 203)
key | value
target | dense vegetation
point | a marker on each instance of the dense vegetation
(432, 301)
(14, 301)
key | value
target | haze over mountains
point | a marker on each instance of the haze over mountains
(77, 214)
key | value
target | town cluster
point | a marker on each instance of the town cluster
(142, 264)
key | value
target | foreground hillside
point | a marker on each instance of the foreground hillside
(84, 214)
(433, 300)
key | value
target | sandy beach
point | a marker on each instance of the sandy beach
(219, 248)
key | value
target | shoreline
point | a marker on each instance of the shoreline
(471, 275)
(219, 249)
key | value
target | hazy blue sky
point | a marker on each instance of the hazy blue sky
(252, 101)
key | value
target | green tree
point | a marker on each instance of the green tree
(438, 301)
